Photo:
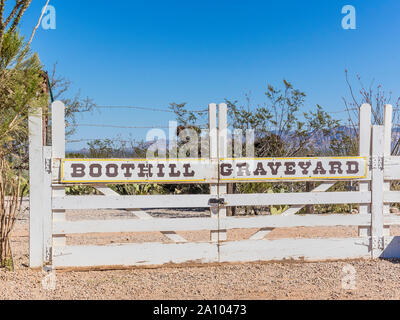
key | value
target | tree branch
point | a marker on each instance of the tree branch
(2, 26)
(17, 19)
(38, 24)
(13, 12)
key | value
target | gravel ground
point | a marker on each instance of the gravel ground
(374, 279)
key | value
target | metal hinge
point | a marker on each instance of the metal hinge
(377, 162)
(215, 202)
(47, 165)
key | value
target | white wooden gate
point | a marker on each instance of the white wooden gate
(50, 173)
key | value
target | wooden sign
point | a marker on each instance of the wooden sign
(203, 171)
(261, 169)
(137, 171)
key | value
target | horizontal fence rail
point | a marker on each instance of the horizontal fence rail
(234, 200)
(134, 202)
(192, 224)
(205, 201)
(392, 168)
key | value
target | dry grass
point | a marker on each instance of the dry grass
(10, 207)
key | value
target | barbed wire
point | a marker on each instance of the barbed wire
(354, 109)
(120, 127)
(342, 111)
(136, 127)
(199, 111)
(90, 140)
(145, 108)
(201, 126)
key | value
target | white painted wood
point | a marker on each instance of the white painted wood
(250, 139)
(141, 214)
(202, 201)
(238, 144)
(365, 147)
(135, 225)
(222, 153)
(213, 134)
(391, 196)
(377, 187)
(137, 212)
(391, 220)
(292, 210)
(58, 152)
(323, 187)
(254, 249)
(106, 191)
(309, 220)
(260, 234)
(364, 231)
(388, 147)
(388, 129)
(173, 140)
(144, 171)
(293, 249)
(138, 254)
(36, 188)
(56, 172)
(212, 122)
(58, 129)
(122, 202)
(47, 210)
(59, 240)
(392, 168)
(192, 224)
(300, 198)
(238, 251)
(386, 231)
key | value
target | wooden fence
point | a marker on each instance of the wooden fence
(51, 172)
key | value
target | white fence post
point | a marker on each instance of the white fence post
(58, 152)
(35, 189)
(377, 187)
(222, 153)
(365, 151)
(388, 146)
(47, 210)
(213, 135)
(387, 153)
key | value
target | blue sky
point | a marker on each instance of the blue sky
(152, 53)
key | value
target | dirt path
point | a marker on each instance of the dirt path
(290, 280)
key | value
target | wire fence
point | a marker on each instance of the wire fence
(145, 108)
(120, 127)
(342, 111)
(102, 140)
(198, 111)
